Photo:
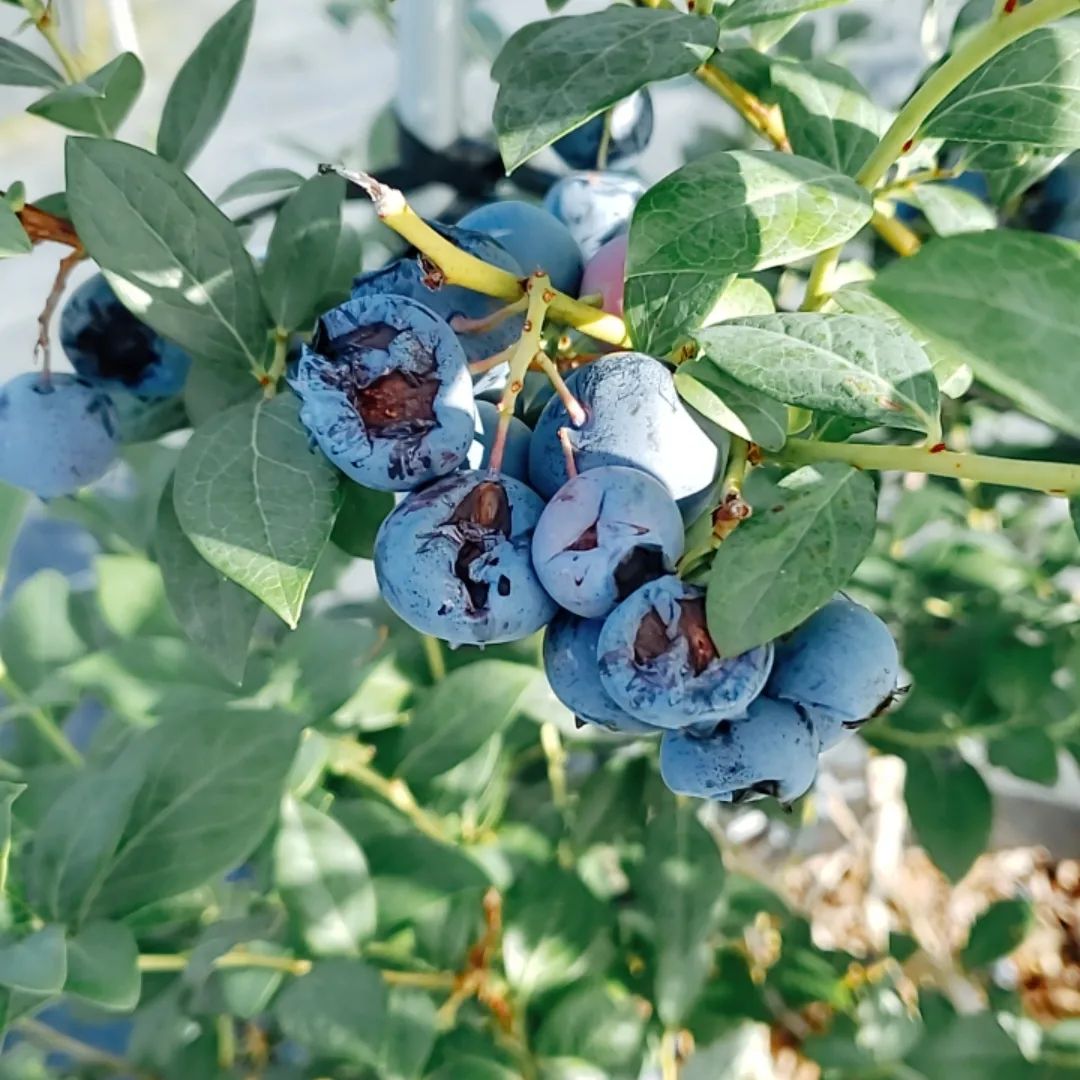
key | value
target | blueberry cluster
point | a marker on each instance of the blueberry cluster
(60, 432)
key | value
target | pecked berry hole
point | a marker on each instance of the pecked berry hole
(639, 565)
(396, 400)
(692, 626)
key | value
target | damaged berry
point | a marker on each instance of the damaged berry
(841, 666)
(386, 393)
(659, 663)
(603, 535)
(570, 662)
(773, 752)
(453, 560)
(109, 345)
(631, 128)
(605, 275)
(56, 436)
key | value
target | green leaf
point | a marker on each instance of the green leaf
(216, 614)
(256, 502)
(21, 67)
(460, 714)
(72, 848)
(1006, 299)
(204, 85)
(747, 413)
(777, 568)
(213, 784)
(262, 182)
(131, 596)
(997, 932)
(411, 872)
(1029, 93)
(843, 364)
(951, 809)
(1028, 753)
(100, 103)
(323, 878)
(169, 253)
(971, 1047)
(13, 238)
(409, 1034)
(211, 388)
(728, 213)
(36, 964)
(555, 75)
(951, 369)
(828, 115)
(37, 632)
(680, 883)
(302, 250)
(103, 966)
(13, 504)
(747, 12)
(337, 1011)
(1074, 512)
(9, 792)
(951, 210)
(555, 931)
(598, 1022)
(743, 296)
(362, 512)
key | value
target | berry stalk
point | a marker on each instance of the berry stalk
(457, 267)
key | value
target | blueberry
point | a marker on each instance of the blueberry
(841, 666)
(659, 663)
(515, 461)
(772, 752)
(452, 560)
(55, 436)
(409, 276)
(571, 664)
(605, 275)
(603, 535)
(594, 206)
(535, 238)
(386, 393)
(635, 418)
(107, 344)
(631, 130)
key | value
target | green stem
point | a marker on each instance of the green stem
(277, 365)
(981, 46)
(43, 723)
(605, 142)
(42, 17)
(1048, 477)
(397, 793)
(435, 659)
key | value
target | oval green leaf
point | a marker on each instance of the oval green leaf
(256, 502)
(728, 213)
(843, 364)
(99, 104)
(801, 545)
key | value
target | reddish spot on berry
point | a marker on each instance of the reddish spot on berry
(937, 448)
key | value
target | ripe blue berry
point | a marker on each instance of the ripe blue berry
(410, 276)
(515, 461)
(659, 663)
(452, 560)
(773, 751)
(633, 417)
(56, 436)
(841, 666)
(631, 129)
(386, 393)
(535, 238)
(605, 533)
(570, 662)
(594, 206)
(107, 344)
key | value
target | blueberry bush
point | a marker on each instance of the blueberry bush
(718, 471)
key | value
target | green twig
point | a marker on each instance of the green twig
(273, 375)
(434, 654)
(43, 723)
(48, 1037)
(1048, 477)
(41, 15)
